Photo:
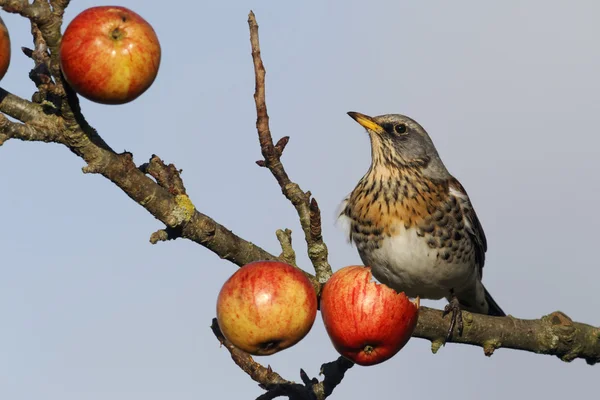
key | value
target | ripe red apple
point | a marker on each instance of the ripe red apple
(266, 306)
(4, 49)
(367, 322)
(109, 54)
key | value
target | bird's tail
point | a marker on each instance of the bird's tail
(493, 307)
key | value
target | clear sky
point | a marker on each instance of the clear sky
(508, 91)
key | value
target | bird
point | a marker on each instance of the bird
(413, 223)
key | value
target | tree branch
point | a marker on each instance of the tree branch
(37, 126)
(25, 132)
(276, 386)
(36, 11)
(554, 334)
(258, 373)
(287, 251)
(19, 108)
(310, 218)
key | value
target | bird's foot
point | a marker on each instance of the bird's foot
(456, 319)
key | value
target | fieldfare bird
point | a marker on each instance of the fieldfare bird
(413, 223)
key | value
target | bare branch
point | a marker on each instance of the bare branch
(276, 386)
(166, 176)
(19, 108)
(317, 250)
(287, 251)
(260, 374)
(49, 94)
(176, 211)
(26, 132)
(554, 334)
(58, 6)
(162, 235)
(36, 11)
(46, 19)
(37, 125)
(333, 373)
(280, 146)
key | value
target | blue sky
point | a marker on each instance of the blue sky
(508, 91)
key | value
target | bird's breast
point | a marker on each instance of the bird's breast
(411, 232)
(407, 262)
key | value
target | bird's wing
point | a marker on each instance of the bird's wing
(471, 221)
(342, 220)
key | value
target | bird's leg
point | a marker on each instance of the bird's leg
(456, 318)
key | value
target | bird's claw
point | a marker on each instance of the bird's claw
(456, 319)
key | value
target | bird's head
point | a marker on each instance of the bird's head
(399, 141)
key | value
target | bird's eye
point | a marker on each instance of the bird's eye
(400, 128)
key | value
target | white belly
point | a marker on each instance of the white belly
(406, 263)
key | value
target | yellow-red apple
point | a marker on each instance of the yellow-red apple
(266, 306)
(109, 54)
(4, 49)
(367, 322)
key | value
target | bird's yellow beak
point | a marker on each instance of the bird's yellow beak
(366, 121)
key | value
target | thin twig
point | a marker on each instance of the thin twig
(260, 374)
(287, 251)
(317, 250)
(276, 386)
(45, 130)
(167, 176)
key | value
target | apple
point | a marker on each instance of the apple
(266, 306)
(367, 322)
(109, 54)
(4, 49)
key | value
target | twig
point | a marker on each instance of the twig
(21, 109)
(333, 372)
(44, 130)
(276, 386)
(260, 374)
(167, 176)
(317, 250)
(287, 251)
(36, 11)
(49, 94)
(58, 6)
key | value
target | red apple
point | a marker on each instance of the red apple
(4, 49)
(109, 54)
(367, 322)
(266, 306)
